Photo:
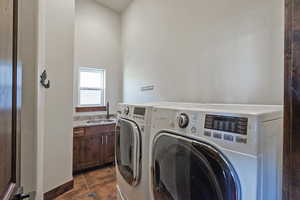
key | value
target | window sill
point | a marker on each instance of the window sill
(91, 109)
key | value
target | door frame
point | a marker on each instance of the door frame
(291, 154)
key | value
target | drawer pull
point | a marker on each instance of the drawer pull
(78, 133)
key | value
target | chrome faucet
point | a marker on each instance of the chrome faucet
(107, 110)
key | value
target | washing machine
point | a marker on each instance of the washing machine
(132, 148)
(216, 152)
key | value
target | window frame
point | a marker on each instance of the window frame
(91, 69)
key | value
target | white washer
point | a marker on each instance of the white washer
(216, 152)
(132, 149)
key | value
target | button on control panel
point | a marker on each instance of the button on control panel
(228, 137)
(217, 135)
(241, 140)
(207, 133)
(194, 130)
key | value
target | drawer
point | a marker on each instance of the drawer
(100, 129)
(79, 132)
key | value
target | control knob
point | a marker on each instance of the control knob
(126, 110)
(183, 120)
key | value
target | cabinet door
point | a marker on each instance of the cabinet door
(92, 151)
(75, 154)
(78, 153)
(109, 153)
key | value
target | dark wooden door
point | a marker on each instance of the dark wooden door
(8, 99)
(291, 167)
(109, 152)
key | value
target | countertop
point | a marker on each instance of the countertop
(84, 121)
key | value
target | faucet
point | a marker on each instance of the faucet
(107, 110)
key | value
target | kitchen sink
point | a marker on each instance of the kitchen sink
(99, 121)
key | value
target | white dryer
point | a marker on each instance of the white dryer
(132, 149)
(216, 152)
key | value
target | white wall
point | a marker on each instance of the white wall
(98, 44)
(59, 56)
(204, 50)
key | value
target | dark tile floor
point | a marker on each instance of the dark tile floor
(99, 184)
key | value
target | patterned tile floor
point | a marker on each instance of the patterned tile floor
(99, 184)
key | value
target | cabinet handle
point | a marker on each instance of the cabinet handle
(106, 139)
(102, 139)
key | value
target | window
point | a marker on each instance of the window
(91, 87)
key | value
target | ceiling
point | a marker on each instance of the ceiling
(117, 5)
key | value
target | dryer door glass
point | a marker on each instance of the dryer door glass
(185, 169)
(128, 151)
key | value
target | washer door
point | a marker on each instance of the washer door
(186, 169)
(128, 150)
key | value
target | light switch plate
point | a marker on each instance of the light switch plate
(147, 88)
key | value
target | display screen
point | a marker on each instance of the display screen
(139, 111)
(236, 125)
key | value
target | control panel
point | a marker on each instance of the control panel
(228, 128)
(237, 132)
(235, 125)
(139, 112)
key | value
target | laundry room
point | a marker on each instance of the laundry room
(221, 62)
(152, 100)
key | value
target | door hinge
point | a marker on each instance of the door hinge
(20, 195)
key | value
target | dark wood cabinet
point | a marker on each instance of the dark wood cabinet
(93, 146)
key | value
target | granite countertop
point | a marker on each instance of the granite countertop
(96, 120)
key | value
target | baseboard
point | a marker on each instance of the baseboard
(52, 194)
